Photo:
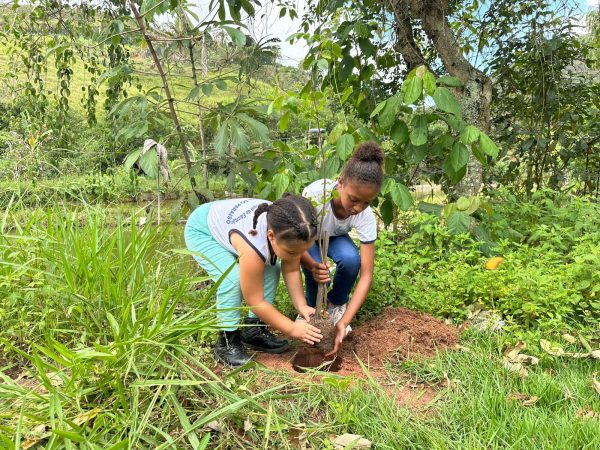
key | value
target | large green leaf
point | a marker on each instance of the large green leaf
(221, 140)
(454, 175)
(237, 36)
(447, 80)
(258, 129)
(332, 166)
(459, 156)
(445, 100)
(487, 146)
(399, 132)
(239, 138)
(458, 222)
(387, 211)
(344, 146)
(387, 118)
(418, 134)
(469, 134)
(132, 158)
(149, 163)
(284, 122)
(429, 82)
(280, 183)
(412, 89)
(401, 196)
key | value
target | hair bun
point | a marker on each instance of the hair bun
(369, 151)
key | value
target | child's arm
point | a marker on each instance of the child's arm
(251, 282)
(367, 264)
(293, 282)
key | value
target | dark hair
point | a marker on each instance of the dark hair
(365, 165)
(292, 218)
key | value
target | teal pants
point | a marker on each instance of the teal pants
(216, 260)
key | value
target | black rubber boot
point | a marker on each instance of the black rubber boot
(230, 350)
(256, 336)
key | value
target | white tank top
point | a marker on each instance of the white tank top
(236, 216)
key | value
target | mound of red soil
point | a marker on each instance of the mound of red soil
(398, 331)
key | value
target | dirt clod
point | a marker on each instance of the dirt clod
(328, 331)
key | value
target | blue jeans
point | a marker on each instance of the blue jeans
(345, 255)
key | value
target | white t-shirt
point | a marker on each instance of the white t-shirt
(364, 222)
(236, 216)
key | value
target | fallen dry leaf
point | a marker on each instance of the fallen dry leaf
(214, 426)
(525, 359)
(569, 338)
(525, 399)
(553, 350)
(297, 436)
(247, 425)
(587, 413)
(517, 368)
(350, 441)
(511, 352)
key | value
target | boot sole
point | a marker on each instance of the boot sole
(274, 351)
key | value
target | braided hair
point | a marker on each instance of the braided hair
(365, 166)
(292, 218)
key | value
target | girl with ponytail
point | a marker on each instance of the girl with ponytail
(238, 242)
(345, 206)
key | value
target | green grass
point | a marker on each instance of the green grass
(104, 323)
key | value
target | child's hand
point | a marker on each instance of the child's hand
(320, 272)
(305, 332)
(307, 312)
(339, 337)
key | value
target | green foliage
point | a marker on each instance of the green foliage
(548, 280)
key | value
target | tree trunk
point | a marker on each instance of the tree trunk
(182, 139)
(476, 94)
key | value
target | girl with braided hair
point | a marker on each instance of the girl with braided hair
(238, 242)
(345, 205)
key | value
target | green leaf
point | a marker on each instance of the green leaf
(445, 100)
(447, 80)
(387, 212)
(332, 165)
(322, 64)
(207, 88)
(237, 36)
(462, 203)
(401, 196)
(429, 82)
(469, 134)
(387, 185)
(193, 95)
(220, 142)
(284, 121)
(280, 183)
(387, 118)
(221, 85)
(258, 129)
(458, 222)
(131, 159)
(487, 145)
(454, 175)
(459, 156)
(378, 108)
(239, 138)
(412, 88)
(399, 132)
(430, 208)
(344, 146)
(149, 163)
(418, 134)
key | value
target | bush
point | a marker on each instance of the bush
(550, 278)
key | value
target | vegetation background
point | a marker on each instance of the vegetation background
(117, 118)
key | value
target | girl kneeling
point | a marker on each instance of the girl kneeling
(250, 235)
